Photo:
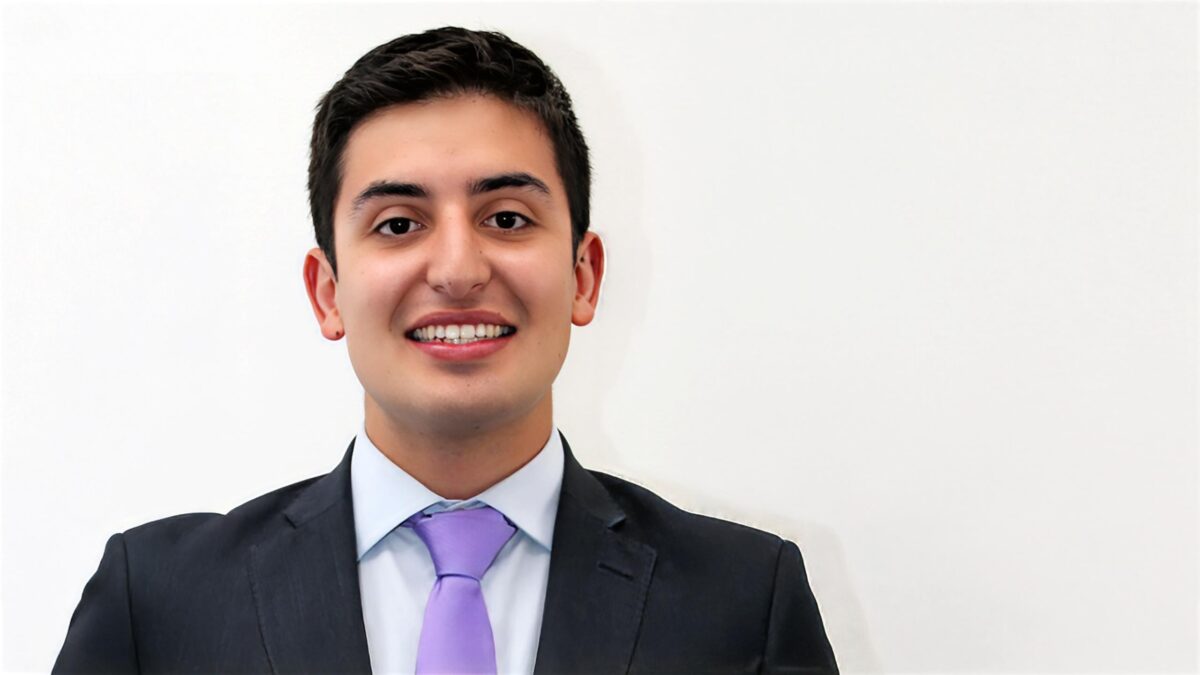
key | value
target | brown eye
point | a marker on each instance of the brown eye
(397, 226)
(508, 220)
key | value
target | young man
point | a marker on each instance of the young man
(449, 189)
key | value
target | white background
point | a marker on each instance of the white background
(912, 284)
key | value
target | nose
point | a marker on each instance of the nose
(458, 265)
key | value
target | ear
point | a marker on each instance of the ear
(321, 285)
(589, 272)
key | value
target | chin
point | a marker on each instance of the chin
(453, 417)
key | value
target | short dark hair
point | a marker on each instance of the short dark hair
(444, 62)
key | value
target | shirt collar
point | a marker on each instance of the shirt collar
(384, 495)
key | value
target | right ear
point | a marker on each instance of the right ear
(321, 285)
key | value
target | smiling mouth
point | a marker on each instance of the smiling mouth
(460, 334)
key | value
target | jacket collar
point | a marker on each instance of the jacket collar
(304, 577)
(598, 581)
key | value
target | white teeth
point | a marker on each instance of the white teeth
(460, 334)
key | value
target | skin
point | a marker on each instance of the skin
(457, 427)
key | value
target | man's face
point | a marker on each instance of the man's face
(452, 213)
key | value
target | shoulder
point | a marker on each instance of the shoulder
(725, 593)
(205, 534)
(658, 523)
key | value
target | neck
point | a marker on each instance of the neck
(455, 464)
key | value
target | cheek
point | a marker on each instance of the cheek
(375, 290)
(546, 292)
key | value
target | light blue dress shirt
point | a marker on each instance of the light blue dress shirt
(395, 571)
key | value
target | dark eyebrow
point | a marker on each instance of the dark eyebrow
(387, 188)
(508, 180)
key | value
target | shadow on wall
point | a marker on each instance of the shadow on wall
(600, 350)
(599, 353)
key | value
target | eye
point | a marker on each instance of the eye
(508, 220)
(398, 226)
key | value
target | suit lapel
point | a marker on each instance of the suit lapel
(305, 582)
(597, 585)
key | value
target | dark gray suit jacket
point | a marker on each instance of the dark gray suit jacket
(636, 585)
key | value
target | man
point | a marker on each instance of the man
(449, 190)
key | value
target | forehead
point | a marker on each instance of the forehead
(446, 142)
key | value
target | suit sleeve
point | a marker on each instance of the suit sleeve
(100, 635)
(796, 641)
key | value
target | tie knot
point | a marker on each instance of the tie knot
(463, 542)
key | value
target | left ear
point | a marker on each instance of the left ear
(589, 272)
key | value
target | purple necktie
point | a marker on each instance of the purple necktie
(456, 636)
